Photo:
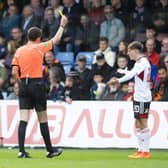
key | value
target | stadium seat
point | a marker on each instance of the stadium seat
(66, 58)
(67, 68)
(88, 55)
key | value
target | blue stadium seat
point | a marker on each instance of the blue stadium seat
(66, 58)
(67, 68)
(88, 55)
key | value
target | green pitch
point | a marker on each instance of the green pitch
(83, 159)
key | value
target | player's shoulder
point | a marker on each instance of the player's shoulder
(142, 60)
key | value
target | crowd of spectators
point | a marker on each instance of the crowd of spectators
(104, 27)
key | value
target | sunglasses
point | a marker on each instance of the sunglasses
(166, 61)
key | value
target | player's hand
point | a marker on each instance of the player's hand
(64, 21)
(122, 71)
(113, 80)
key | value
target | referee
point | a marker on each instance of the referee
(27, 69)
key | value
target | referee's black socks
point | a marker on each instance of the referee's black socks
(46, 136)
(21, 135)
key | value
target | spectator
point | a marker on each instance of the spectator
(56, 87)
(120, 11)
(166, 62)
(122, 48)
(112, 28)
(128, 5)
(73, 11)
(130, 93)
(104, 48)
(97, 88)
(121, 66)
(87, 35)
(50, 24)
(10, 21)
(140, 18)
(55, 4)
(160, 16)
(124, 87)
(164, 49)
(84, 78)
(14, 95)
(28, 20)
(11, 81)
(72, 91)
(96, 12)
(38, 10)
(50, 61)
(151, 33)
(5, 6)
(2, 46)
(2, 5)
(11, 48)
(3, 76)
(101, 66)
(16, 35)
(1, 95)
(112, 92)
(161, 90)
(152, 55)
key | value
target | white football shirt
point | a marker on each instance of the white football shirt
(141, 71)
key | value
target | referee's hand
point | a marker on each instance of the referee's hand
(64, 21)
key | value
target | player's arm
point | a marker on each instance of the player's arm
(128, 75)
(137, 69)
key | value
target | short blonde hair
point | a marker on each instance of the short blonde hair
(136, 45)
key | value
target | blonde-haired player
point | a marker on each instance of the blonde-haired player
(142, 96)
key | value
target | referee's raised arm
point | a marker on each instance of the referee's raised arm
(60, 31)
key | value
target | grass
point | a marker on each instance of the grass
(83, 158)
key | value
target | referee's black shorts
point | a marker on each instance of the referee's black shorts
(32, 94)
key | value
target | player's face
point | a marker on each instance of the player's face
(131, 54)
